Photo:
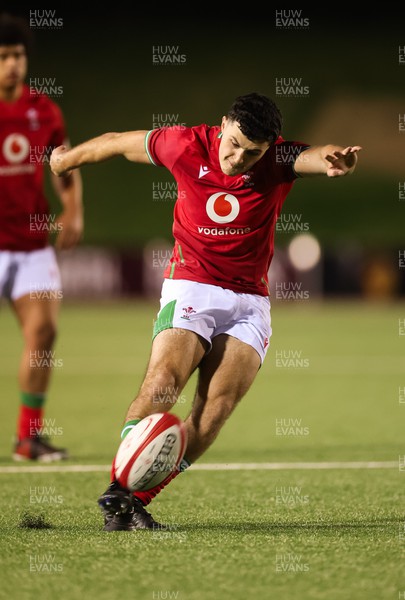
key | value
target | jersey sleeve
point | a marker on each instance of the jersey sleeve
(284, 155)
(164, 146)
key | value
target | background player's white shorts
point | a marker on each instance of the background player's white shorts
(209, 310)
(34, 273)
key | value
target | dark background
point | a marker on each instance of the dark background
(103, 62)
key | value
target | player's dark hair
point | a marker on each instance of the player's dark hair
(14, 31)
(258, 117)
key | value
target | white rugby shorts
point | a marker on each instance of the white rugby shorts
(210, 310)
(35, 273)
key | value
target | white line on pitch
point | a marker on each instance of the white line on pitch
(299, 466)
(296, 466)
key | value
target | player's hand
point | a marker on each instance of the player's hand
(342, 163)
(56, 160)
(70, 229)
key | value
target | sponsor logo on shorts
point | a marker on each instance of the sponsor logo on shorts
(187, 311)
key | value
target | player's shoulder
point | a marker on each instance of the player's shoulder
(41, 102)
(202, 133)
(201, 137)
(197, 138)
(205, 134)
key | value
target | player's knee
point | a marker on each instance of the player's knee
(41, 335)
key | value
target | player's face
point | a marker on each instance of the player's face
(238, 154)
(13, 66)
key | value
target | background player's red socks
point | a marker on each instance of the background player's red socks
(30, 419)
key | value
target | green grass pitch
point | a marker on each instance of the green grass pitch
(313, 534)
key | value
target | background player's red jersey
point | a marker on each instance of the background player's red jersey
(29, 129)
(223, 226)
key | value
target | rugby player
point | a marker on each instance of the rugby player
(215, 309)
(31, 125)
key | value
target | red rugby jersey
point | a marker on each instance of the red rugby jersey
(29, 128)
(223, 226)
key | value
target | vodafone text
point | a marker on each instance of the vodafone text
(224, 230)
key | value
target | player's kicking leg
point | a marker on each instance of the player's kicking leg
(175, 355)
(225, 375)
(192, 318)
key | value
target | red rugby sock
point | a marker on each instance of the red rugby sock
(147, 496)
(30, 418)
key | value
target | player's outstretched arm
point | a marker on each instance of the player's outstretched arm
(130, 144)
(330, 160)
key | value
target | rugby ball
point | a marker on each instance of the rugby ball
(151, 451)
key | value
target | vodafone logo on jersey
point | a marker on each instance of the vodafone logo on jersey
(222, 207)
(15, 148)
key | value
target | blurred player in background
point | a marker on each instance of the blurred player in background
(30, 126)
(232, 181)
